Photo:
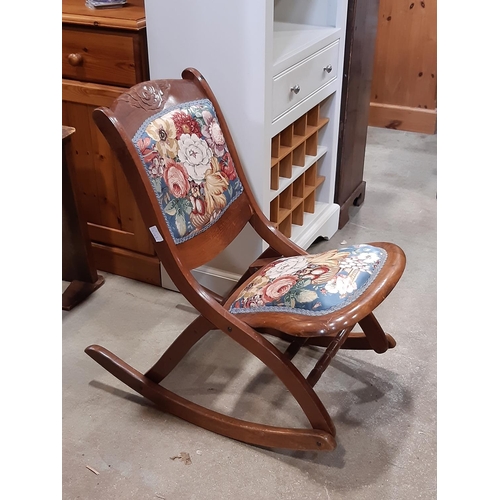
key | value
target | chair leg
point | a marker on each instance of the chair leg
(179, 348)
(327, 356)
(295, 347)
(358, 341)
(241, 430)
(373, 337)
(374, 333)
(355, 340)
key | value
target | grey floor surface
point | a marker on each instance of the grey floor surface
(383, 406)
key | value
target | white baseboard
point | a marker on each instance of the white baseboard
(325, 224)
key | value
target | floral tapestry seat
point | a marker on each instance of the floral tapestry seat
(312, 285)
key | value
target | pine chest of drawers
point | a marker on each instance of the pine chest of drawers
(103, 53)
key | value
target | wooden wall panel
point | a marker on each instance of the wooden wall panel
(403, 92)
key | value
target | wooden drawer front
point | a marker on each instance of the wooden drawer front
(308, 74)
(101, 57)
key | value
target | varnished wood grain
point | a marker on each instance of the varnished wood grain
(403, 118)
(129, 264)
(105, 57)
(86, 184)
(130, 16)
(361, 31)
(78, 266)
(120, 238)
(106, 170)
(405, 69)
(89, 93)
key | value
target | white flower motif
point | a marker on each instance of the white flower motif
(341, 285)
(195, 155)
(287, 267)
(363, 261)
(213, 133)
(368, 257)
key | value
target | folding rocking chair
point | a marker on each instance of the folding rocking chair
(175, 148)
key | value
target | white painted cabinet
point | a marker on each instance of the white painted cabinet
(275, 67)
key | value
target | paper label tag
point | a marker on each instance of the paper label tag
(156, 234)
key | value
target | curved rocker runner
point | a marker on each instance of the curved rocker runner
(177, 153)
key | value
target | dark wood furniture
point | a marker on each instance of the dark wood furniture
(193, 195)
(104, 52)
(361, 30)
(77, 262)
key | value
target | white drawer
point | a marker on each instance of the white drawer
(306, 76)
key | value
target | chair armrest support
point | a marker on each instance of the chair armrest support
(273, 237)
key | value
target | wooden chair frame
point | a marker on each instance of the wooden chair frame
(334, 331)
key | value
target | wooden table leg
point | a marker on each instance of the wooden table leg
(77, 262)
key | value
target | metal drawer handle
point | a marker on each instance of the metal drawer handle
(75, 59)
(328, 68)
(295, 89)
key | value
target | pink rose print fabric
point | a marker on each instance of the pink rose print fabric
(189, 165)
(314, 284)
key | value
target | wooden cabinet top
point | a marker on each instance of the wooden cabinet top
(130, 16)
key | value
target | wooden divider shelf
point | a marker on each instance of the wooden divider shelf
(294, 158)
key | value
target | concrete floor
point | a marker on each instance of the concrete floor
(383, 406)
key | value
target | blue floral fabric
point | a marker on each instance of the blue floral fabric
(189, 165)
(313, 284)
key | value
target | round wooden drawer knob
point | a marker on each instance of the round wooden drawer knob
(75, 59)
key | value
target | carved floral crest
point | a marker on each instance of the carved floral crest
(148, 96)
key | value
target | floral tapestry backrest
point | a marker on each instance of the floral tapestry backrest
(187, 160)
